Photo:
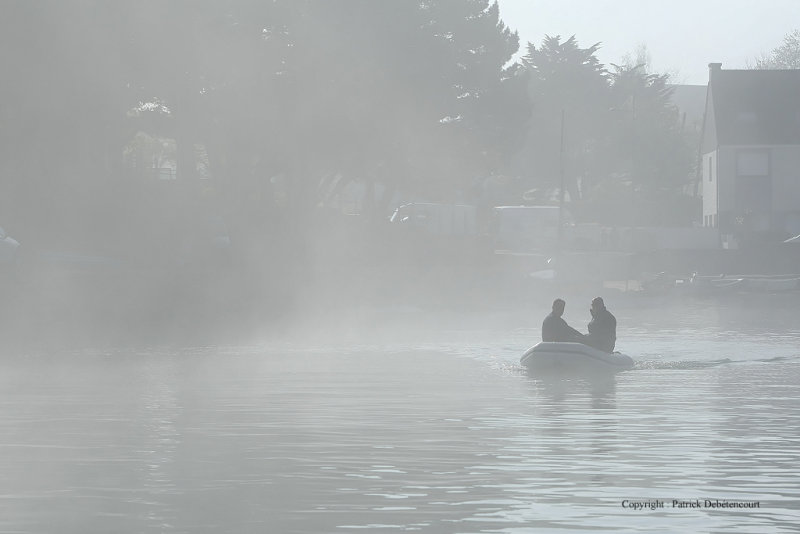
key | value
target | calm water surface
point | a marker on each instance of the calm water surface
(440, 433)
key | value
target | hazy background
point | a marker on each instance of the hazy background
(681, 36)
(211, 324)
(210, 168)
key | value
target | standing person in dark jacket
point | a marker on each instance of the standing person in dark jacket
(602, 328)
(555, 328)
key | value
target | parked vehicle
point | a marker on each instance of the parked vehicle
(437, 218)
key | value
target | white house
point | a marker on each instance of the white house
(751, 154)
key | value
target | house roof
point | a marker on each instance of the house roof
(755, 107)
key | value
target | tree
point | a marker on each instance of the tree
(623, 144)
(648, 157)
(566, 81)
(63, 106)
(409, 94)
(476, 115)
(417, 95)
(784, 56)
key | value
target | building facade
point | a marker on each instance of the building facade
(750, 154)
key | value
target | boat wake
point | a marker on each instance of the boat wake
(680, 364)
(705, 364)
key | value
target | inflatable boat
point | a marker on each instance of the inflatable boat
(573, 357)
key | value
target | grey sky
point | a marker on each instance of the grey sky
(682, 36)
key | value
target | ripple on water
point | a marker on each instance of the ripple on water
(437, 438)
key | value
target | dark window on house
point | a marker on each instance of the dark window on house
(710, 167)
(753, 181)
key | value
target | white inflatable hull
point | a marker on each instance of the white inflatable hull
(549, 356)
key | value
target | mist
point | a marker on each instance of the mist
(196, 168)
(273, 265)
(191, 166)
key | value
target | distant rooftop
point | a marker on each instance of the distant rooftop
(755, 107)
(690, 100)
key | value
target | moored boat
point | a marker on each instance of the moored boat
(773, 285)
(751, 283)
(573, 357)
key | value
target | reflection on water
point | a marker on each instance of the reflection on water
(447, 437)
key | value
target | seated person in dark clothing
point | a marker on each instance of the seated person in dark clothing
(555, 328)
(602, 328)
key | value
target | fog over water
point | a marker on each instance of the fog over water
(271, 267)
(440, 432)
